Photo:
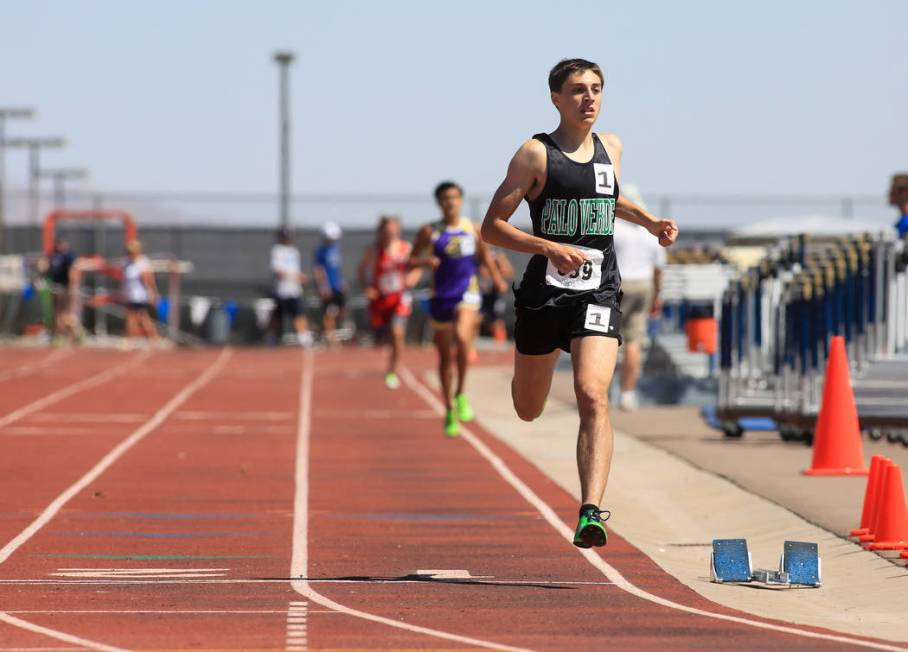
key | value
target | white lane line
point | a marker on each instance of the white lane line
(51, 510)
(610, 572)
(476, 581)
(21, 370)
(297, 637)
(89, 417)
(299, 564)
(69, 390)
(60, 636)
(175, 612)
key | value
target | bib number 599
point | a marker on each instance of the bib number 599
(584, 272)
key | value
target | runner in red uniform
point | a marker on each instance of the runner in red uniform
(388, 289)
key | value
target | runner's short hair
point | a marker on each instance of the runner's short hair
(567, 67)
(444, 186)
(899, 184)
(384, 220)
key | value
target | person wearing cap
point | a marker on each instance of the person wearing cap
(330, 280)
(288, 288)
(640, 259)
(139, 293)
(898, 197)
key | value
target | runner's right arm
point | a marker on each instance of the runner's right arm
(423, 240)
(525, 172)
(366, 263)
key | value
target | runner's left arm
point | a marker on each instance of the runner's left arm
(664, 229)
(486, 260)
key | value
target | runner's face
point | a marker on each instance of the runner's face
(580, 98)
(390, 231)
(451, 202)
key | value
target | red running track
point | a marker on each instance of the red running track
(165, 507)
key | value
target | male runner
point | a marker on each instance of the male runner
(330, 281)
(388, 289)
(570, 294)
(450, 247)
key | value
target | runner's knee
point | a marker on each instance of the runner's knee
(592, 397)
(526, 407)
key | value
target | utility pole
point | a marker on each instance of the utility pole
(59, 176)
(34, 146)
(14, 113)
(283, 59)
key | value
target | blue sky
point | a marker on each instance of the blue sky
(709, 96)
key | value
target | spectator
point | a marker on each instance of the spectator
(139, 293)
(59, 274)
(898, 197)
(330, 281)
(288, 289)
(494, 303)
(640, 260)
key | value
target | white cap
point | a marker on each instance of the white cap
(632, 192)
(331, 231)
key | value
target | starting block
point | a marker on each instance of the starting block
(799, 565)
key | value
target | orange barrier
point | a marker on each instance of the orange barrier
(892, 518)
(871, 493)
(130, 229)
(702, 334)
(837, 448)
(873, 526)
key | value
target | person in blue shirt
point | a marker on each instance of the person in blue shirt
(898, 197)
(330, 280)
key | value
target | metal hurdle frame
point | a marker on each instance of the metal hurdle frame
(776, 320)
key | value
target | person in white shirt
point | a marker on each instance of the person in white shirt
(640, 260)
(139, 293)
(288, 288)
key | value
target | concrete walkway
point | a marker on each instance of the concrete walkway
(672, 508)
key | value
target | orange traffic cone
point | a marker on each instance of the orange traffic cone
(870, 537)
(892, 520)
(871, 494)
(837, 448)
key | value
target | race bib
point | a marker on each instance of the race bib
(587, 277)
(598, 318)
(391, 283)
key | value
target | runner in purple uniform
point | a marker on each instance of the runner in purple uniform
(451, 249)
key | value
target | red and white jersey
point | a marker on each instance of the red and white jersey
(389, 274)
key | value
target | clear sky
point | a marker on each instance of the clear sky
(777, 96)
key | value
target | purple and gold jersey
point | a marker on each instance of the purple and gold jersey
(455, 281)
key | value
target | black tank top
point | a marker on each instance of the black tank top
(576, 207)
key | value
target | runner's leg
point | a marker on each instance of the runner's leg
(442, 338)
(465, 320)
(593, 359)
(531, 383)
(397, 343)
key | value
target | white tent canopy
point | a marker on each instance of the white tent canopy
(815, 225)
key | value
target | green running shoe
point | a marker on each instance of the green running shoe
(452, 426)
(591, 529)
(392, 381)
(463, 408)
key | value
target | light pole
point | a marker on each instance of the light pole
(59, 176)
(34, 146)
(21, 113)
(283, 59)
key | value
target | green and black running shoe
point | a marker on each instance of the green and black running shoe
(591, 527)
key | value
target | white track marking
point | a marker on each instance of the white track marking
(610, 572)
(297, 614)
(21, 370)
(299, 565)
(118, 451)
(478, 581)
(89, 417)
(60, 636)
(69, 390)
(233, 416)
(175, 612)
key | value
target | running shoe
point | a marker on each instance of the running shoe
(591, 527)
(452, 426)
(392, 381)
(463, 408)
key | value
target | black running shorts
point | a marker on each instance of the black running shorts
(538, 332)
